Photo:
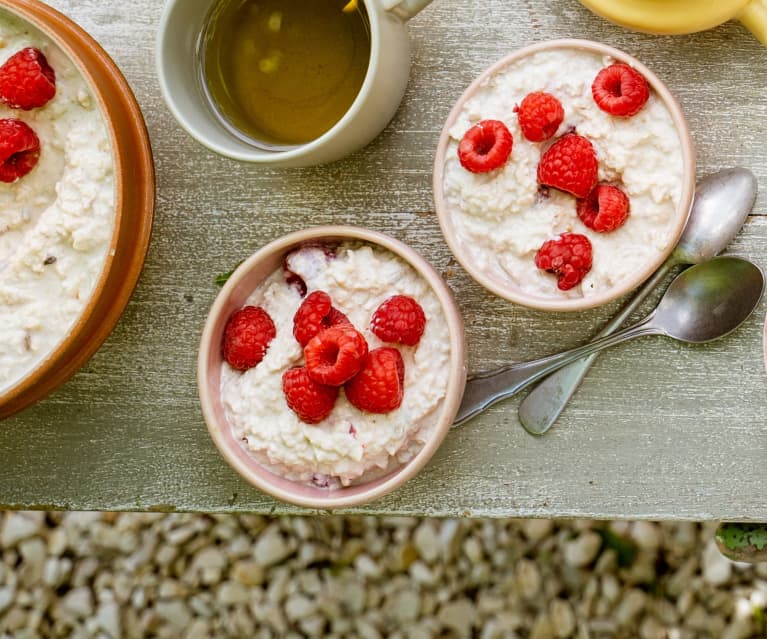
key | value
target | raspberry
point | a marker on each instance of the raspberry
(27, 81)
(605, 209)
(379, 386)
(19, 149)
(334, 355)
(568, 256)
(399, 319)
(570, 165)
(312, 402)
(485, 146)
(620, 90)
(315, 314)
(539, 115)
(246, 337)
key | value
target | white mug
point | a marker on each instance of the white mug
(181, 25)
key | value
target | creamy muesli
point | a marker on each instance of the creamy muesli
(57, 221)
(503, 217)
(349, 445)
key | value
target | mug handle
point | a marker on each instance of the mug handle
(754, 18)
(405, 9)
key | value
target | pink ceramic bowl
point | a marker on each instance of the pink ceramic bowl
(504, 285)
(245, 279)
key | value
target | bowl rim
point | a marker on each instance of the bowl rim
(130, 148)
(210, 342)
(681, 214)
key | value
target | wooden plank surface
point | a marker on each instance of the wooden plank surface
(659, 430)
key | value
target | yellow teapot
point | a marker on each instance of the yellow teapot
(682, 16)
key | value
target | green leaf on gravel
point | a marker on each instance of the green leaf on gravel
(625, 548)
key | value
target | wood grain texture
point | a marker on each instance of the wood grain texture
(659, 430)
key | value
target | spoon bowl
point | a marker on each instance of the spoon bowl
(722, 202)
(709, 301)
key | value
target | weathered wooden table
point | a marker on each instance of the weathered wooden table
(659, 430)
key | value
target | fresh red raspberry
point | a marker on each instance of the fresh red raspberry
(315, 314)
(539, 115)
(312, 402)
(379, 386)
(19, 149)
(568, 256)
(334, 355)
(246, 337)
(399, 320)
(27, 81)
(485, 146)
(570, 165)
(620, 90)
(605, 209)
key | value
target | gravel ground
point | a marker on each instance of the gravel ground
(110, 575)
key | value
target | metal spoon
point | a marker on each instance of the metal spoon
(703, 303)
(722, 203)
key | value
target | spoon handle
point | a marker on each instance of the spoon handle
(545, 403)
(488, 389)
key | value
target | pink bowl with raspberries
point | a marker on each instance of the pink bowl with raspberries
(496, 221)
(249, 417)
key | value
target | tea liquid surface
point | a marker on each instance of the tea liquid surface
(285, 71)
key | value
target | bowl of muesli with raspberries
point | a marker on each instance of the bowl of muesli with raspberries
(564, 175)
(73, 230)
(331, 366)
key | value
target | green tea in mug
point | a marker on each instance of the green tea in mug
(283, 72)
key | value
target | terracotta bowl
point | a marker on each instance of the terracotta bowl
(134, 201)
(233, 295)
(504, 286)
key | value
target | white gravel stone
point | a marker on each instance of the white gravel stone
(57, 541)
(427, 542)
(716, 567)
(271, 548)
(472, 548)
(610, 588)
(312, 626)
(562, 618)
(6, 598)
(738, 629)
(78, 602)
(582, 550)
(366, 567)
(422, 574)
(175, 612)
(631, 605)
(646, 535)
(542, 628)
(108, 619)
(528, 578)
(33, 552)
(404, 607)
(18, 526)
(450, 538)
(198, 629)
(537, 529)
(248, 572)
(651, 628)
(231, 593)
(458, 616)
(297, 607)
